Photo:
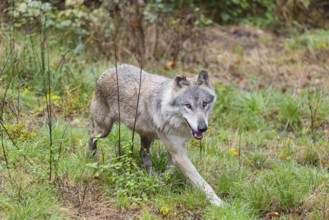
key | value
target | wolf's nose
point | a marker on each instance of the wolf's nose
(202, 128)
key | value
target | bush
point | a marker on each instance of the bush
(257, 12)
(129, 181)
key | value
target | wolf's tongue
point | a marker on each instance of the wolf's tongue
(197, 135)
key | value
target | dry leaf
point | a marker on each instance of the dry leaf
(272, 214)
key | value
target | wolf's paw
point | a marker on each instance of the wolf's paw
(217, 202)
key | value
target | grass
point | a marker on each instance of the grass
(259, 154)
(311, 40)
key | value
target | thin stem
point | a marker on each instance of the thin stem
(5, 156)
(136, 113)
(118, 90)
(60, 150)
(47, 90)
(200, 145)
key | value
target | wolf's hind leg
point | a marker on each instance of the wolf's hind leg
(145, 153)
(100, 130)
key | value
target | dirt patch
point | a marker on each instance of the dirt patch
(249, 57)
(85, 201)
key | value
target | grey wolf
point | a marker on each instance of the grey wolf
(172, 110)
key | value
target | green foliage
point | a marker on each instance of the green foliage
(311, 158)
(83, 20)
(314, 41)
(157, 9)
(29, 201)
(238, 210)
(268, 109)
(129, 181)
(148, 216)
(27, 11)
(18, 132)
(283, 190)
(290, 112)
(77, 19)
(247, 111)
(257, 160)
(235, 11)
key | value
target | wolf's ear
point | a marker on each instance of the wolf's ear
(181, 81)
(203, 78)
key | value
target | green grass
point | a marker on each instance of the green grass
(276, 170)
(259, 153)
(314, 41)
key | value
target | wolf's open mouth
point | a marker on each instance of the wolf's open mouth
(196, 134)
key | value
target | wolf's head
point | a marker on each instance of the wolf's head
(194, 97)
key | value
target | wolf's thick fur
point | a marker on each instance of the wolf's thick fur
(172, 110)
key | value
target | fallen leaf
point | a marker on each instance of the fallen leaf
(272, 214)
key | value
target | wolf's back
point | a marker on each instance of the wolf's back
(130, 78)
(148, 91)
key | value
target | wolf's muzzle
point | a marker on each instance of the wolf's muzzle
(202, 127)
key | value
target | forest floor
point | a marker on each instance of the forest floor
(246, 54)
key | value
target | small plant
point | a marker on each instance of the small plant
(129, 180)
(308, 156)
(17, 131)
(290, 113)
(29, 11)
(257, 160)
(250, 108)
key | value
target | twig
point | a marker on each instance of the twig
(4, 97)
(141, 44)
(11, 76)
(117, 76)
(47, 91)
(6, 63)
(18, 90)
(157, 25)
(60, 150)
(239, 150)
(136, 113)
(200, 144)
(313, 112)
(35, 57)
(10, 56)
(5, 156)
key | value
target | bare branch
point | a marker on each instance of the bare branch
(141, 45)
(313, 111)
(47, 92)
(5, 156)
(138, 96)
(117, 76)
(200, 145)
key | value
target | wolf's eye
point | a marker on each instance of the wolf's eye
(204, 104)
(188, 106)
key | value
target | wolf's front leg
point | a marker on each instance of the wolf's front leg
(175, 145)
